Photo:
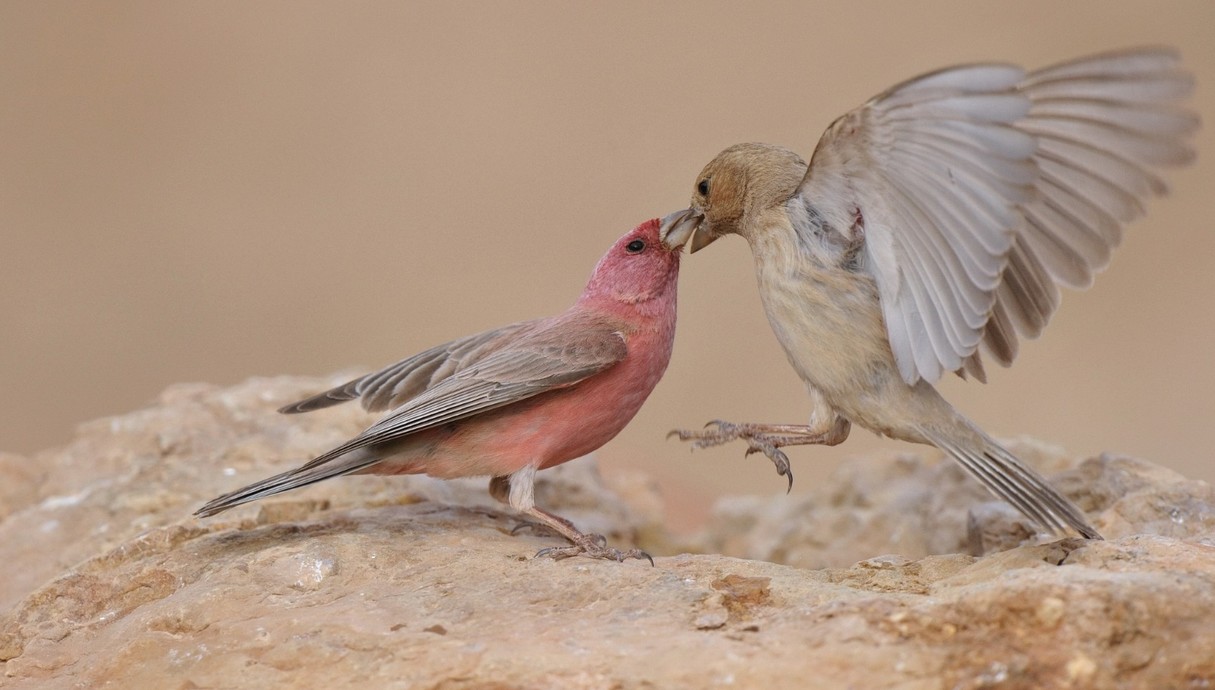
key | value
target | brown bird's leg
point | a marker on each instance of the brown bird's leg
(769, 438)
(518, 491)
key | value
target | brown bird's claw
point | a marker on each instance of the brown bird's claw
(592, 546)
(760, 438)
(707, 438)
(776, 455)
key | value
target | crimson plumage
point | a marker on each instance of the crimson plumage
(514, 400)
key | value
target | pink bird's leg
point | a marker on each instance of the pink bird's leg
(518, 491)
(769, 438)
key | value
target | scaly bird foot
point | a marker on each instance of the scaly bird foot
(760, 439)
(592, 546)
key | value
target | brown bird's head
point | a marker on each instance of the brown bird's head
(732, 191)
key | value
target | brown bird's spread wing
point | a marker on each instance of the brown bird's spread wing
(976, 189)
(397, 383)
(553, 357)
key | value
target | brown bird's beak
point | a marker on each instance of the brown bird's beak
(685, 227)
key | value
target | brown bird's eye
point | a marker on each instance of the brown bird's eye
(635, 247)
(703, 188)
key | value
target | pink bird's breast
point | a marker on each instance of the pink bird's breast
(592, 413)
(553, 427)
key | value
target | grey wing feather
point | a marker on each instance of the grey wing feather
(500, 379)
(1102, 124)
(396, 383)
(981, 187)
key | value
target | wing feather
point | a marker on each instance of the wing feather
(397, 383)
(982, 187)
(535, 364)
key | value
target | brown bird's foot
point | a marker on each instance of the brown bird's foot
(760, 438)
(592, 546)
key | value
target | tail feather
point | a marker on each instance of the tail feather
(291, 479)
(1019, 484)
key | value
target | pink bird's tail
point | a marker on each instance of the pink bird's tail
(350, 463)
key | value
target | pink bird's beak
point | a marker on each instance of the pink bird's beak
(685, 227)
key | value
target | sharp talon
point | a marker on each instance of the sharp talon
(789, 474)
(636, 553)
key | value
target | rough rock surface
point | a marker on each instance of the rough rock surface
(407, 582)
(916, 507)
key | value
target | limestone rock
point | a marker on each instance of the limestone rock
(407, 582)
(917, 507)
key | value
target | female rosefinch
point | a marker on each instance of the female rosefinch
(937, 217)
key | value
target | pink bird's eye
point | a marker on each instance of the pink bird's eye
(635, 247)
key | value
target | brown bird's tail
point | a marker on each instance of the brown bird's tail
(1014, 481)
(349, 463)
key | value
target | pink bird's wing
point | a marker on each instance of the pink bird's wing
(539, 362)
(556, 356)
(395, 384)
(977, 189)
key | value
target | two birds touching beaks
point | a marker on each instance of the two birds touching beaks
(931, 224)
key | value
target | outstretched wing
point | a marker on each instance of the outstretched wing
(978, 188)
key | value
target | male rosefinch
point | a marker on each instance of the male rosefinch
(937, 217)
(514, 400)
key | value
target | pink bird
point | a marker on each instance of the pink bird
(514, 400)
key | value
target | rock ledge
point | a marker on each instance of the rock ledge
(407, 582)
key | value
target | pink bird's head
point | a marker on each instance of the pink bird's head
(638, 268)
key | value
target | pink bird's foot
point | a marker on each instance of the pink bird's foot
(589, 545)
(761, 438)
(592, 546)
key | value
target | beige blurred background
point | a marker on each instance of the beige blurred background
(211, 191)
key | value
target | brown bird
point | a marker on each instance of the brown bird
(936, 218)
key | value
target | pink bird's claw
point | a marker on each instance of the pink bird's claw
(593, 546)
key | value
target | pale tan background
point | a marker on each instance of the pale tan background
(210, 191)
